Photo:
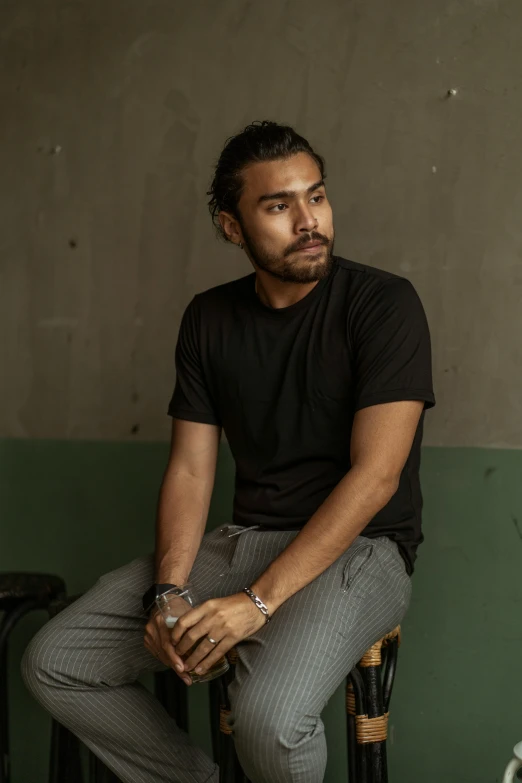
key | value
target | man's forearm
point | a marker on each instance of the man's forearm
(326, 535)
(182, 516)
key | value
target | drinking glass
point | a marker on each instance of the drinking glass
(172, 605)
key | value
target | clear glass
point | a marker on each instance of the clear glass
(172, 606)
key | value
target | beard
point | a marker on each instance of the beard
(294, 267)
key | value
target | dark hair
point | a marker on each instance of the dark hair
(261, 141)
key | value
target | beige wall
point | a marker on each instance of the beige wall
(136, 99)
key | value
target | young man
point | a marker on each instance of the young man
(318, 370)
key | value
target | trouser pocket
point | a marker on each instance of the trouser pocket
(356, 562)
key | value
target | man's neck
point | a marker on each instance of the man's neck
(282, 295)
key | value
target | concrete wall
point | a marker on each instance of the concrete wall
(112, 116)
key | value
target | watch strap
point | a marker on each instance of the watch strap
(149, 597)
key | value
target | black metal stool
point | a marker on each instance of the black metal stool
(20, 593)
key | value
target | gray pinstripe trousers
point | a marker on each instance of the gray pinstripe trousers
(82, 665)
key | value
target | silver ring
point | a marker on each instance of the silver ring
(211, 640)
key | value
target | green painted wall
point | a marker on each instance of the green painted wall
(81, 508)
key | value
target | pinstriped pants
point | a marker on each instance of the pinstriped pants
(82, 665)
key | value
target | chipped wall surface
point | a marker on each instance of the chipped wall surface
(112, 117)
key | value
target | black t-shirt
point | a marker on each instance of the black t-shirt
(285, 384)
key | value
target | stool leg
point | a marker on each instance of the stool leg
(226, 750)
(361, 755)
(4, 718)
(375, 707)
(390, 667)
(172, 693)
(352, 749)
(99, 773)
(214, 705)
(351, 737)
(9, 621)
(65, 762)
(229, 767)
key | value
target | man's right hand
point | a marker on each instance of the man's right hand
(158, 642)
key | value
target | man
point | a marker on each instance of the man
(318, 370)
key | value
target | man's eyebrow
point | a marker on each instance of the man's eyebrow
(288, 193)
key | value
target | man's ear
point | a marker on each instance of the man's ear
(231, 227)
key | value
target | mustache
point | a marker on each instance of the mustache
(315, 237)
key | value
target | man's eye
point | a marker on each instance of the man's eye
(319, 197)
(274, 208)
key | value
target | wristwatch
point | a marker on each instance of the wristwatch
(149, 598)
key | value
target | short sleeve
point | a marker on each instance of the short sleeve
(392, 347)
(191, 399)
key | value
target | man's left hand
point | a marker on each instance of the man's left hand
(228, 620)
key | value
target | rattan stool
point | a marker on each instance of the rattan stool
(20, 593)
(368, 693)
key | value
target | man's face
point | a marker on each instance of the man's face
(283, 207)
